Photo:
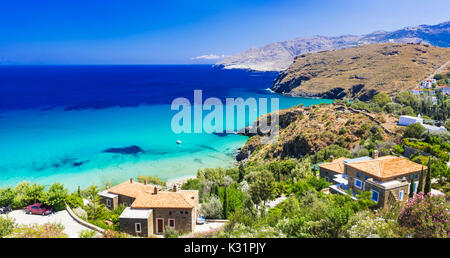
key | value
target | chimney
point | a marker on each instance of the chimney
(175, 187)
(375, 154)
(331, 158)
(145, 181)
(131, 180)
(155, 190)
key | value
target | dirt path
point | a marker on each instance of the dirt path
(439, 70)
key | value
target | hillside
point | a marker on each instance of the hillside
(306, 130)
(360, 72)
(279, 55)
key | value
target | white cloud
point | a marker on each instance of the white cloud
(207, 57)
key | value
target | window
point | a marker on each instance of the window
(137, 227)
(108, 203)
(181, 212)
(358, 175)
(171, 223)
(400, 195)
(374, 195)
(367, 177)
(326, 179)
(415, 176)
(125, 204)
(170, 212)
(358, 183)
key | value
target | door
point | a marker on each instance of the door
(159, 225)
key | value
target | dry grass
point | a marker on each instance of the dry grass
(389, 68)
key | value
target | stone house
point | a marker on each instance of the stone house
(149, 210)
(388, 177)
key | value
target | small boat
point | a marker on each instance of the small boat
(178, 142)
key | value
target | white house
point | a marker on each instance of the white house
(407, 120)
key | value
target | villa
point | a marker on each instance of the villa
(149, 210)
(416, 91)
(388, 177)
(445, 89)
(427, 83)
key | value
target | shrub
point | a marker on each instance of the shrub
(171, 233)
(86, 233)
(47, 230)
(364, 225)
(6, 226)
(415, 130)
(427, 215)
(212, 208)
(438, 76)
(114, 234)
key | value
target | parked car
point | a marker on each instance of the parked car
(5, 209)
(201, 220)
(39, 208)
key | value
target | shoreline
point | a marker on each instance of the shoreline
(179, 181)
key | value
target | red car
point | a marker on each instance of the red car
(39, 208)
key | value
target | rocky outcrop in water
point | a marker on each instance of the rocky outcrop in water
(133, 149)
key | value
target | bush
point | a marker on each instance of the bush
(171, 233)
(438, 76)
(364, 225)
(114, 234)
(427, 215)
(415, 130)
(6, 226)
(212, 208)
(86, 233)
(152, 180)
(47, 230)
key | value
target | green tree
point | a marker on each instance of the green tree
(381, 99)
(438, 76)
(55, 196)
(415, 130)
(411, 187)
(420, 186)
(241, 173)
(428, 179)
(262, 187)
(225, 203)
(6, 196)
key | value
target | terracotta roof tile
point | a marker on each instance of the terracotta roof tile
(336, 166)
(131, 189)
(387, 167)
(146, 198)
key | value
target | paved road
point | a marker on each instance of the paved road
(71, 227)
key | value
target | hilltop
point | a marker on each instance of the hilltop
(360, 72)
(279, 55)
(306, 130)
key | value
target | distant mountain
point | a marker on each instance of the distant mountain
(278, 56)
(360, 72)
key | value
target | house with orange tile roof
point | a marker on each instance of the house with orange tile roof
(388, 177)
(151, 210)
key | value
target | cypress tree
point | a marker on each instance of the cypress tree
(411, 187)
(225, 204)
(428, 179)
(420, 187)
(241, 173)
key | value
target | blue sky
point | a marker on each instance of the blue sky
(173, 32)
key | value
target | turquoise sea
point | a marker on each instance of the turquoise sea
(73, 124)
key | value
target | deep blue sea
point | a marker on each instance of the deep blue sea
(83, 125)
